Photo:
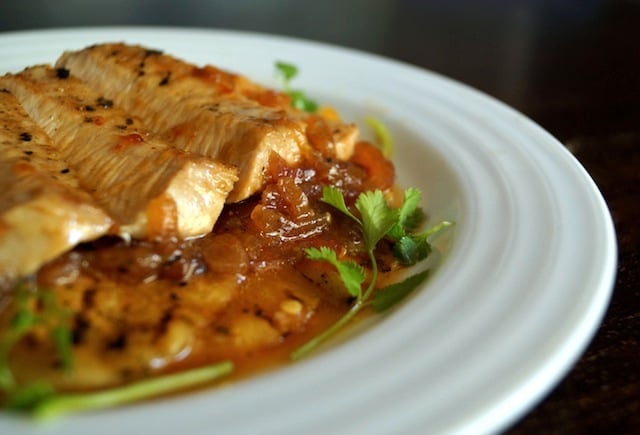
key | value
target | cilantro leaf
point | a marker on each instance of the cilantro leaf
(299, 99)
(389, 296)
(412, 248)
(287, 70)
(409, 214)
(377, 217)
(351, 273)
(24, 318)
(409, 250)
(62, 339)
(409, 209)
(35, 307)
(332, 196)
(377, 220)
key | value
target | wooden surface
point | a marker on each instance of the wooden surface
(579, 77)
(572, 66)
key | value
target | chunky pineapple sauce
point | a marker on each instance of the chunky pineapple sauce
(245, 292)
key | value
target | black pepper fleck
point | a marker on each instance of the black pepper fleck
(128, 121)
(89, 108)
(28, 152)
(62, 73)
(165, 80)
(164, 322)
(65, 171)
(105, 103)
(25, 137)
(118, 343)
(80, 327)
(88, 298)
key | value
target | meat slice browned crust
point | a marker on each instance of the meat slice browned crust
(151, 189)
(202, 109)
(43, 213)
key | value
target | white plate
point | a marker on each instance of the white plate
(522, 284)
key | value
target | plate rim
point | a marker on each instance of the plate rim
(607, 275)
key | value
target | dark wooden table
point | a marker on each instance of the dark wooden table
(576, 72)
(572, 66)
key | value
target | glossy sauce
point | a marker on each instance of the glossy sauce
(245, 292)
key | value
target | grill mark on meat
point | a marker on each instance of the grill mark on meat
(123, 179)
(174, 98)
(39, 194)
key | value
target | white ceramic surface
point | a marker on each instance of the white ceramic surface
(520, 285)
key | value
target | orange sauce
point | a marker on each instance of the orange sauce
(245, 292)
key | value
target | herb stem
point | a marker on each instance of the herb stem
(384, 136)
(374, 275)
(434, 229)
(310, 345)
(6, 376)
(342, 321)
(65, 403)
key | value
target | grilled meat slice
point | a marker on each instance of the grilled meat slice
(150, 188)
(43, 212)
(203, 109)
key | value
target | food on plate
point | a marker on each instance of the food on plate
(146, 185)
(191, 222)
(39, 194)
(206, 110)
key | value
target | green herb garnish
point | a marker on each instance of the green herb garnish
(35, 307)
(54, 405)
(385, 140)
(411, 248)
(391, 295)
(287, 70)
(376, 221)
(299, 99)
(27, 397)
(39, 308)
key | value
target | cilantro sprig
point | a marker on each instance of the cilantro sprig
(34, 308)
(376, 221)
(38, 308)
(412, 248)
(44, 403)
(287, 72)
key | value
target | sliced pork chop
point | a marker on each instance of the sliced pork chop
(202, 109)
(43, 212)
(150, 188)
